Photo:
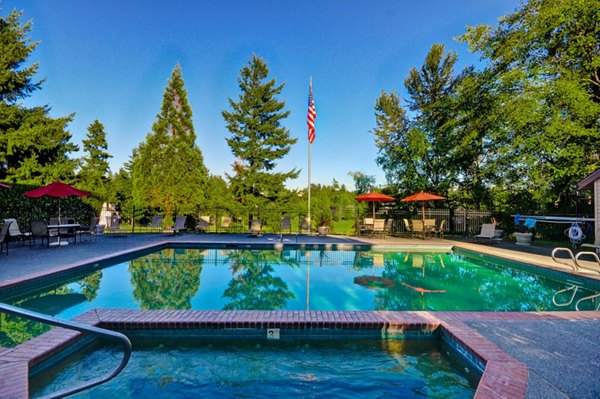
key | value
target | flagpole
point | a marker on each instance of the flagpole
(309, 159)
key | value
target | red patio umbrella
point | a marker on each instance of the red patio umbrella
(374, 197)
(56, 189)
(422, 197)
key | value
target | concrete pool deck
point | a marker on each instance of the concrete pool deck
(559, 349)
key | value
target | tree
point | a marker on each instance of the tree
(34, 148)
(257, 139)
(362, 183)
(542, 64)
(94, 172)
(168, 167)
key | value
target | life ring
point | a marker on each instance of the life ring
(575, 233)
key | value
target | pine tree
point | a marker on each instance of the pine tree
(34, 148)
(257, 138)
(168, 168)
(94, 172)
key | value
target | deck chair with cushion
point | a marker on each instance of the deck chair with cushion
(418, 228)
(440, 229)
(203, 224)
(389, 225)
(14, 233)
(378, 227)
(4, 237)
(487, 233)
(178, 226)
(255, 228)
(157, 223)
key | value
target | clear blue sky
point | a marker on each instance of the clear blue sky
(110, 60)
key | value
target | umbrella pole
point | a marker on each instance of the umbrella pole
(373, 211)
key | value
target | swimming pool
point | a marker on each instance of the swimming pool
(178, 368)
(244, 279)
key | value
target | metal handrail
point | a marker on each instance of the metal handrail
(567, 303)
(588, 298)
(555, 251)
(15, 311)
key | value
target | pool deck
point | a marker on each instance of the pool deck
(528, 354)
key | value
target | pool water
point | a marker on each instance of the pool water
(249, 369)
(217, 279)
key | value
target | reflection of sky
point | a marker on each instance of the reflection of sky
(465, 285)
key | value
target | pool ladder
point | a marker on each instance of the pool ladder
(84, 328)
(576, 265)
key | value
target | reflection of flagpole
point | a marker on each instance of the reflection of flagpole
(307, 280)
(310, 121)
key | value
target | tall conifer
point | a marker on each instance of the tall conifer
(257, 138)
(168, 168)
(94, 172)
(34, 148)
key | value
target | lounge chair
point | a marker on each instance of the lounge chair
(389, 225)
(286, 224)
(178, 225)
(255, 228)
(595, 245)
(203, 224)
(225, 223)
(157, 223)
(14, 233)
(407, 227)
(4, 237)
(90, 231)
(487, 233)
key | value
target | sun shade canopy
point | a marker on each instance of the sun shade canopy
(56, 189)
(423, 196)
(375, 197)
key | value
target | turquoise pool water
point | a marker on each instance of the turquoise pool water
(284, 369)
(218, 279)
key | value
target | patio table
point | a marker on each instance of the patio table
(57, 227)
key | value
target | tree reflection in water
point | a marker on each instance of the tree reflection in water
(168, 279)
(253, 285)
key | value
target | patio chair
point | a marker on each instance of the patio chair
(439, 230)
(39, 230)
(113, 228)
(178, 225)
(157, 223)
(389, 225)
(255, 228)
(378, 227)
(90, 231)
(14, 233)
(286, 224)
(366, 227)
(225, 223)
(304, 225)
(418, 228)
(487, 233)
(203, 224)
(4, 237)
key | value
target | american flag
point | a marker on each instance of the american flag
(312, 115)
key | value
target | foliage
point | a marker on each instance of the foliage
(543, 72)
(34, 147)
(258, 140)
(94, 169)
(362, 183)
(168, 167)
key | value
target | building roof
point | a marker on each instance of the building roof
(588, 182)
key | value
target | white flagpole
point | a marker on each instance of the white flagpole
(309, 162)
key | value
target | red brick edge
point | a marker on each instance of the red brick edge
(504, 376)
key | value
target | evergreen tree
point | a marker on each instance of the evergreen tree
(94, 172)
(34, 147)
(257, 138)
(168, 168)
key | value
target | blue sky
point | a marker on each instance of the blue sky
(110, 60)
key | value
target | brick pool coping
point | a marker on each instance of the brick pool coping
(503, 377)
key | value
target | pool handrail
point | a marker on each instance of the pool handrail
(84, 328)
